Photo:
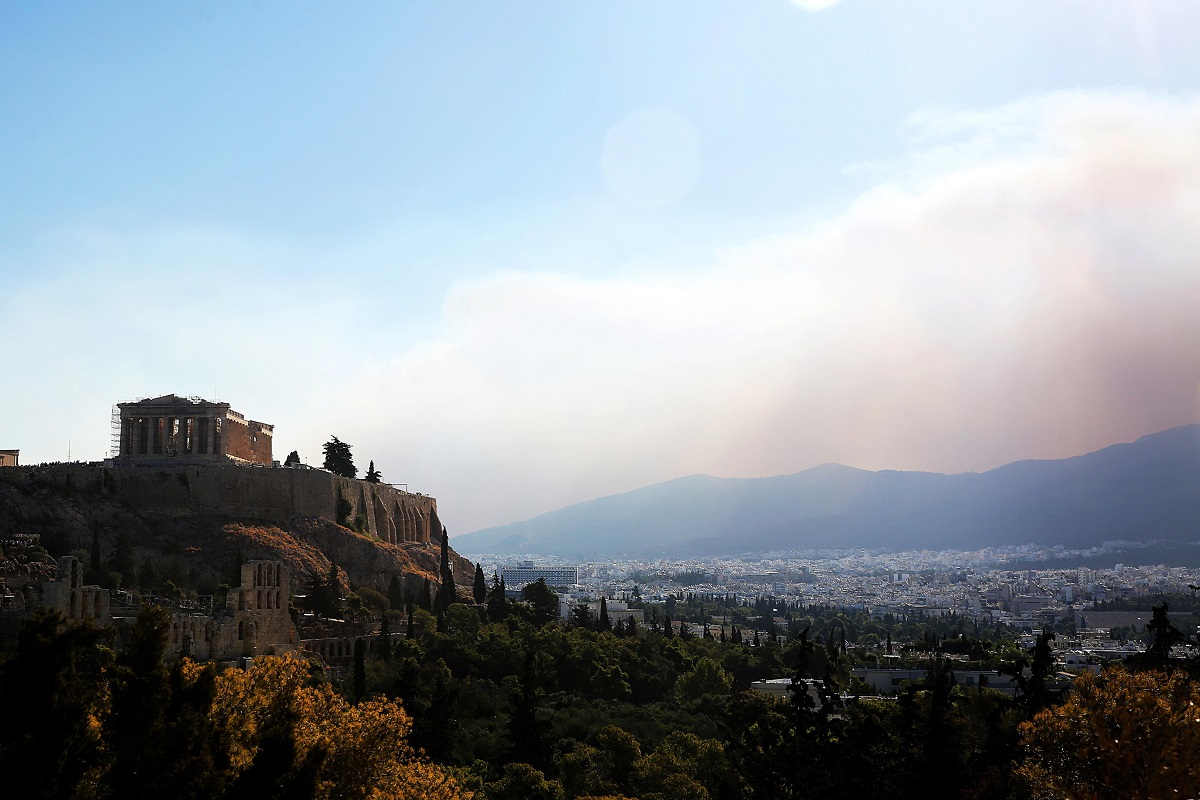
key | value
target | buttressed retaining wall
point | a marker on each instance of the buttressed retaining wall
(269, 494)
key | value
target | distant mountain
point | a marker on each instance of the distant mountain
(1148, 490)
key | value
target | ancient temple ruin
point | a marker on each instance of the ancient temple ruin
(187, 430)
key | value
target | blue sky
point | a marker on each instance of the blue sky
(525, 254)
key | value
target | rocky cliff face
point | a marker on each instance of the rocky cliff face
(152, 525)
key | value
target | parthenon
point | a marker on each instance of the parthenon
(189, 429)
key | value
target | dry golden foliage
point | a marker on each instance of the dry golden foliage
(1121, 735)
(365, 746)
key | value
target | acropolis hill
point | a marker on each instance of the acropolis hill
(180, 501)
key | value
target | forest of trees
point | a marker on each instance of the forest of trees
(503, 702)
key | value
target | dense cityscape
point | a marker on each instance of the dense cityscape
(995, 585)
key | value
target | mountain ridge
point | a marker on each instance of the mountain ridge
(1144, 490)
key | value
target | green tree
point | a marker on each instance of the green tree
(479, 590)
(497, 601)
(1163, 636)
(707, 678)
(292, 460)
(49, 693)
(581, 616)
(161, 739)
(338, 459)
(542, 599)
(524, 782)
(447, 593)
(395, 592)
(372, 475)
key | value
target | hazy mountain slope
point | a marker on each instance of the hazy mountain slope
(1140, 491)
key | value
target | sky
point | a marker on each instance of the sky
(526, 254)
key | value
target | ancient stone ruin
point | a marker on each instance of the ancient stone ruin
(173, 429)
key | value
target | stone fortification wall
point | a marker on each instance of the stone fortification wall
(259, 493)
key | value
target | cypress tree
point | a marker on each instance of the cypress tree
(447, 595)
(480, 587)
(315, 594)
(333, 588)
(497, 603)
(604, 624)
(426, 601)
(395, 593)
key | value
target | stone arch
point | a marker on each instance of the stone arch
(362, 507)
(402, 525)
(422, 526)
(397, 522)
(259, 600)
(383, 523)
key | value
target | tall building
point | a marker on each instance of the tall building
(528, 573)
(189, 429)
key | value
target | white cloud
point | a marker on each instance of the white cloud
(1032, 295)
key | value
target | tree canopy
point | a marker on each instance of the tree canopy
(338, 459)
(92, 725)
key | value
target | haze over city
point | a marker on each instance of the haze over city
(523, 255)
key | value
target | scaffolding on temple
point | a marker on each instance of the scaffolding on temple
(114, 440)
